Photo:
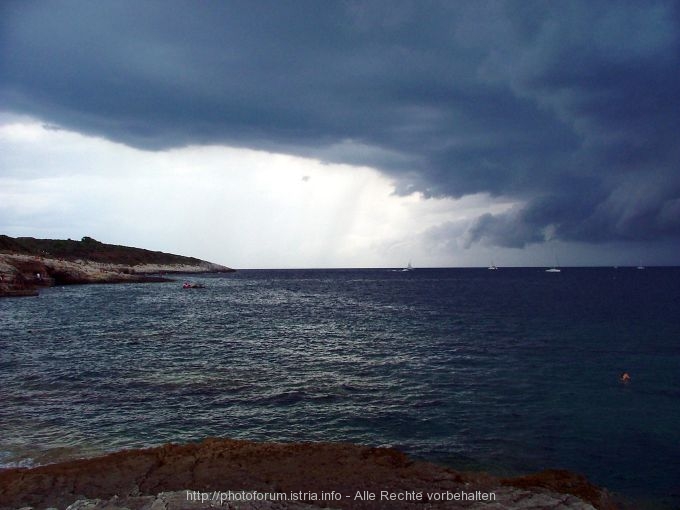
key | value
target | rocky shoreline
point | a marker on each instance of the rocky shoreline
(229, 473)
(25, 267)
(23, 275)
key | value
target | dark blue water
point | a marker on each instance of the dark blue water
(508, 371)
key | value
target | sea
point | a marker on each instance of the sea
(509, 371)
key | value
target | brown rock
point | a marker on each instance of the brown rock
(305, 470)
(565, 481)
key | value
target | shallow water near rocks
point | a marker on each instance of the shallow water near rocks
(509, 371)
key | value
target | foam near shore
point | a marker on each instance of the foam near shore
(243, 474)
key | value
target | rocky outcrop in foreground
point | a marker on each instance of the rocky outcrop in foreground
(227, 473)
(27, 264)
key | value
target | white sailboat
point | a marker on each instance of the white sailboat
(556, 267)
(493, 266)
(409, 267)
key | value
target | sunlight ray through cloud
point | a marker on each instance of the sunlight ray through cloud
(242, 207)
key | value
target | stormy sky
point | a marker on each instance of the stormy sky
(367, 133)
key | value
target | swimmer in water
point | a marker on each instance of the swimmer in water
(625, 377)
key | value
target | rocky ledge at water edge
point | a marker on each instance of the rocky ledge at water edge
(227, 473)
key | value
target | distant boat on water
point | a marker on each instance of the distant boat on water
(189, 285)
(556, 267)
(492, 266)
(408, 268)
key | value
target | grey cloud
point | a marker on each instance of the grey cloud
(570, 108)
(506, 230)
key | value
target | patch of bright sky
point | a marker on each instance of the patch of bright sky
(238, 207)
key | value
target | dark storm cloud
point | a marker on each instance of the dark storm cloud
(570, 108)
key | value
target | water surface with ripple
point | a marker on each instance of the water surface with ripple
(508, 371)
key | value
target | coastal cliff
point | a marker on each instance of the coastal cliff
(27, 264)
(243, 474)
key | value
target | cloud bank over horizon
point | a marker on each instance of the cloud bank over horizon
(566, 111)
(240, 207)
